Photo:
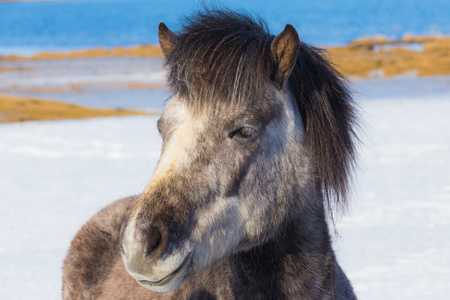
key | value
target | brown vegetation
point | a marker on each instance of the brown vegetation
(13, 69)
(362, 57)
(138, 51)
(143, 85)
(19, 109)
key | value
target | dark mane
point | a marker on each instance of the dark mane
(221, 55)
(329, 116)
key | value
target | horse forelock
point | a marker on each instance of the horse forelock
(220, 56)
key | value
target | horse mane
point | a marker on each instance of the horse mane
(221, 55)
(329, 116)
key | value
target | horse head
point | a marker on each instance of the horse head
(257, 135)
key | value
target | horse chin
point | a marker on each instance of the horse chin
(169, 282)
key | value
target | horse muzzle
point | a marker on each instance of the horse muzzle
(152, 260)
(168, 282)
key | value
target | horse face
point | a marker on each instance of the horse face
(221, 186)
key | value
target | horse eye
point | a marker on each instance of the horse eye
(244, 132)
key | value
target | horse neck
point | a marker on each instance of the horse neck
(299, 259)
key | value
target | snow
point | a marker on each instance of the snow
(393, 243)
(53, 177)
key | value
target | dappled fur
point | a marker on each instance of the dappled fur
(221, 57)
(93, 268)
(93, 251)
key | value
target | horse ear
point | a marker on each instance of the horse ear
(166, 39)
(284, 51)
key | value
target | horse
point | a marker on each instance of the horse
(259, 148)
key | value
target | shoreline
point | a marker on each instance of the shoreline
(368, 57)
(380, 57)
(20, 109)
(32, 80)
(147, 51)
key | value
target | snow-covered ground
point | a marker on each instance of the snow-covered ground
(394, 242)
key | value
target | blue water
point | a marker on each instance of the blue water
(29, 27)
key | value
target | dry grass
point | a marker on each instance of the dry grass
(143, 85)
(19, 109)
(138, 51)
(360, 58)
(13, 69)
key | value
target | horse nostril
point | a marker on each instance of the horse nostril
(154, 239)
